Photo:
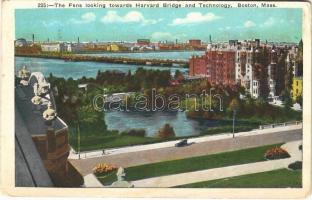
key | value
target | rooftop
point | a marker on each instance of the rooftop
(33, 114)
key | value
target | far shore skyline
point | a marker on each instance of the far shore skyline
(29, 38)
(279, 25)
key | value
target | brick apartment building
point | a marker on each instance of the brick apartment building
(217, 65)
(246, 63)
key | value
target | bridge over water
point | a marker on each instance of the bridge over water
(119, 60)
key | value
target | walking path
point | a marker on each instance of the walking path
(136, 148)
(224, 172)
(91, 181)
(128, 159)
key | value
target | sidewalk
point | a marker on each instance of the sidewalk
(224, 172)
(137, 148)
(91, 181)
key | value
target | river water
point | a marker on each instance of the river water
(76, 70)
(121, 121)
(153, 121)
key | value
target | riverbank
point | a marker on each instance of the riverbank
(94, 138)
(155, 51)
(107, 59)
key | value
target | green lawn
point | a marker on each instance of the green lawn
(103, 141)
(190, 164)
(281, 178)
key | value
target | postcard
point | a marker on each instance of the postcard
(201, 99)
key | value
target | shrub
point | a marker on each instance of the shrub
(295, 165)
(276, 153)
(166, 131)
(135, 132)
(104, 168)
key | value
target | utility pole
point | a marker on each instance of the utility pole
(234, 113)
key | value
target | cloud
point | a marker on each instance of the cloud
(50, 23)
(88, 17)
(269, 22)
(195, 17)
(249, 24)
(85, 18)
(130, 17)
(157, 36)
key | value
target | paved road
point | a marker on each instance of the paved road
(84, 166)
(224, 172)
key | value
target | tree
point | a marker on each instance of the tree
(299, 100)
(166, 132)
(287, 99)
(178, 75)
(234, 105)
(299, 59)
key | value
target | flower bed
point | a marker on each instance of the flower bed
(276, 153)
(104, 168)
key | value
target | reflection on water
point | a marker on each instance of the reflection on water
(152, 121)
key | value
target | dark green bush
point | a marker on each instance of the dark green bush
(295, 165)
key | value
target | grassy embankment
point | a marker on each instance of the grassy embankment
(280, 178)
(96, 139)
(190, 164)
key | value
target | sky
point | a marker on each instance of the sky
(159, 24)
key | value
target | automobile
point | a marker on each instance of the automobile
(181, 143)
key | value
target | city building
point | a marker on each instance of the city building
(73, 47)
(256, 67)
(21, 42)
(198, 66)
(244, 70)
(53, 47)
(217, 65)
(113, 47)
(195, 42)
(142, 42)
(40, 131)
